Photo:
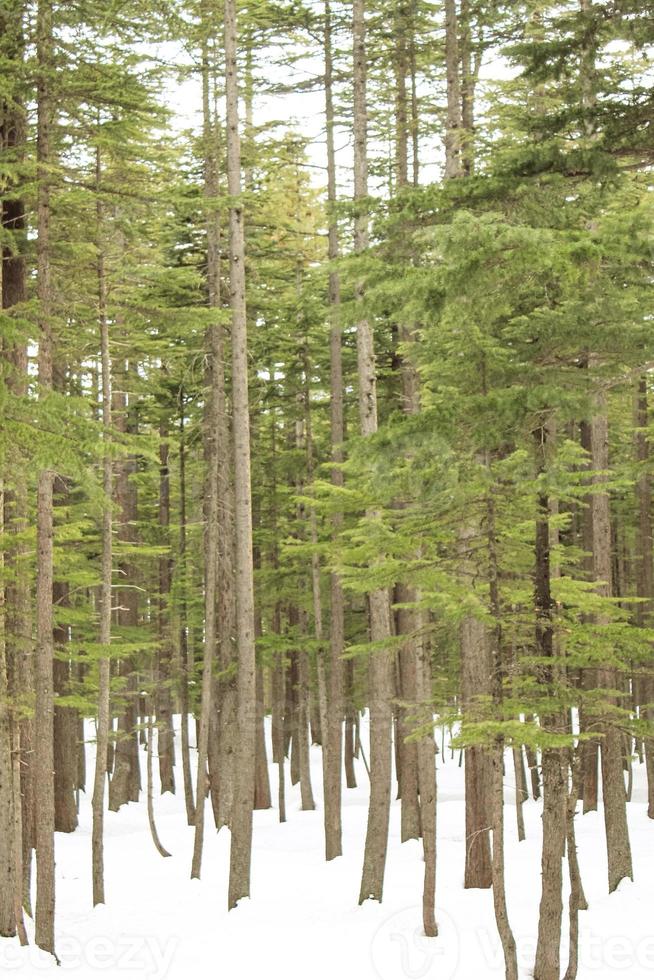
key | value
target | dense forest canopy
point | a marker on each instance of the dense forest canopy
(326, 384)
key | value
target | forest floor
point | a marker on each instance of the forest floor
(303, 919)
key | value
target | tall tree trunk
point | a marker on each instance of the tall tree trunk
(213, 450)
(65, 718)
(165, 733)
(380, 663)
(182, 666)
(104, 719)
(44, 710)
(547, 965)
(125, 782)
(8, 870)
(17, 613)
(475, 688)
(613, 790)
(453, 161)
(497, 751)
(427, 783)
(241, 844)
(407, 618)
(644, 569)
(335, 703)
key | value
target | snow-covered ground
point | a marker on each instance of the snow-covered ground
(303, 919)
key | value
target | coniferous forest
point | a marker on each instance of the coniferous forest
(326, 476)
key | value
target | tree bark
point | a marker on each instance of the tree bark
(44, 709)
(335, 705)
(104, 718)
(241, 845)
(613, 790)
(380, 663)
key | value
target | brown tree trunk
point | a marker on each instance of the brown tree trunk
(613, 790)
(182, 666)
(44, 709)
(380, 663)
(577, 901)
(8, 870)
(644, 687)
(241, 826)
(547, 965)
(476, 672)
(214, 421)
(497, 751)
(104, 719)
(453, 161)
(17, 633)
(332, 760)
(125, 782)
(165, 733)
(65, 719)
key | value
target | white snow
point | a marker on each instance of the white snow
(303, 919)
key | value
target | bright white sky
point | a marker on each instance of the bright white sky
(303, 112)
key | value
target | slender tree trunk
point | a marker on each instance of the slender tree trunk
(497, 750)
(241, 845)
(165, 733)
(577, 902)
(44, 710)
(125, 782)
(182, 667)
(8, 869)
(65, 718)
(476, 672)
(589, 747)
(335, 702)
(613, 790)
(213, 447)
(644, 569)
(150, 787)
(453, 162)
(380, 664)
(426, 750)
(262, 800)
(15, 625)
(104, 718)
(547, 965)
